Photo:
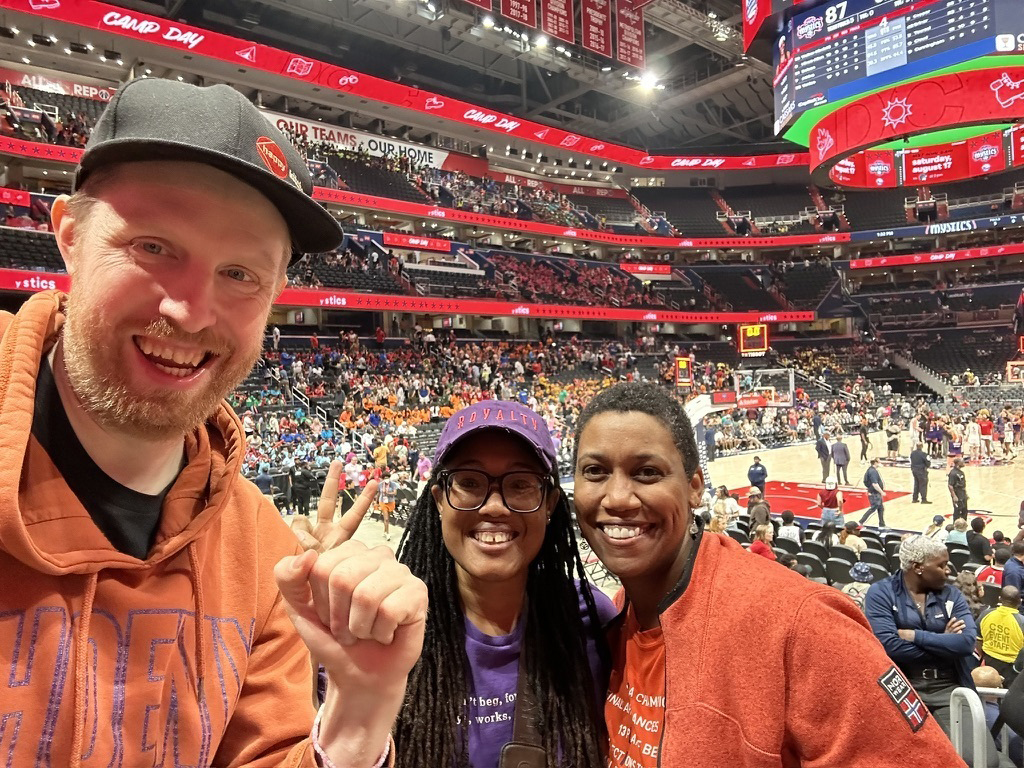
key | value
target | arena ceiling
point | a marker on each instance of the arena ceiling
(708, 94)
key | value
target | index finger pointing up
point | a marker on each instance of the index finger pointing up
(329, 496)
(349, 522)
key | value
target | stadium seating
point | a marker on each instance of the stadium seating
(806, 286)
(691, 211)
(374, 179)
(616, 210)
(740, 288)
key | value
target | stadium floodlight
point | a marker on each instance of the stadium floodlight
(648, 81)
(541, 41)
(488, 22)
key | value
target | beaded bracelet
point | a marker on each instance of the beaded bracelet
(314, 736)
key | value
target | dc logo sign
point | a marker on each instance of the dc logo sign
(750, 10)
(879, 168)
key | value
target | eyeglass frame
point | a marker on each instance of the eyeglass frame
(443, 479)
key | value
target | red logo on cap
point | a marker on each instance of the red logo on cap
(272, 157)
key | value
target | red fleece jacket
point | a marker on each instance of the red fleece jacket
(766, 669)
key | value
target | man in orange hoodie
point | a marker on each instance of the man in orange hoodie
(141, 621)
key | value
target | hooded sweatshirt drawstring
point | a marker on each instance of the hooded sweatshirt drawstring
(200, 606)
(80, 666)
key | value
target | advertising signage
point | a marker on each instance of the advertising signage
(197, 42)
(27, 281)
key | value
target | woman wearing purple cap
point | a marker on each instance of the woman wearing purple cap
(492, 537)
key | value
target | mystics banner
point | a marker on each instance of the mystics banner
(522, 11)
(629, 34)
(23, 280)
(558, 20)
(378, 146)
(59, 85)
(986, 154)
(596, 26)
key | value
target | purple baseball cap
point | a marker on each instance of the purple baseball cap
(514, 418)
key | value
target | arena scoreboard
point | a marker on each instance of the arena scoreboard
(752, 340)
(684, 374)
(845, 48)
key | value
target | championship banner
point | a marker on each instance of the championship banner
(596, 23)
(629, 35)
(558, 20)
(684, 374)
(522, 11)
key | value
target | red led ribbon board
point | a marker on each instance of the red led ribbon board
(558, 20)
(938, 257)
(937, 103)
(400, 240)
(635, 268)
(70, 155)
(197, 42)
(27, 281)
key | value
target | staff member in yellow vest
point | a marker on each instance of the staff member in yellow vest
(1001, 634)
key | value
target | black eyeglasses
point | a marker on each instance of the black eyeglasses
(467, 490)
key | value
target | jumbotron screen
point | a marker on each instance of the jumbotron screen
(845, 48)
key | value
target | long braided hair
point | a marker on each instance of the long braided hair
(554, 650)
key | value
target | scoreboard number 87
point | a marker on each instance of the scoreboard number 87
(835, 12)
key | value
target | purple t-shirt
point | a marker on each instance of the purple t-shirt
(494, 670)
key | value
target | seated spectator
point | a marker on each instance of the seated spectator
(959, 533)
(993, 574)
(936, 529)
(861, 577)
(978, 543)
(761, 543)
(789, 529)
(849, 538)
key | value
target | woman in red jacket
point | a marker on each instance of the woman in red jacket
(676, 696)
(762, 543)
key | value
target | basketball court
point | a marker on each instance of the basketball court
(794, 475)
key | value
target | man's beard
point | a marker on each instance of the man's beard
(105, 390)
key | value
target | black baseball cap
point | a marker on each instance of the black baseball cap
(155, 119)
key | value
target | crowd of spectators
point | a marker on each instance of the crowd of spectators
(65, 128)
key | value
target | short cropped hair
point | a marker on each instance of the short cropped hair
(918, 549)
(644, 397)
